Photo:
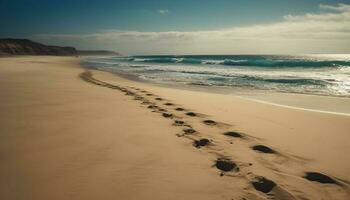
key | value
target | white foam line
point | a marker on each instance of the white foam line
(297, 108)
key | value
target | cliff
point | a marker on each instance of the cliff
(28, 47)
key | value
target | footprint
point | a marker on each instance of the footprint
(225, 165)
(318, 177)
(129, 93)
(167, 115)
(138, 98)
(192, 114)
(113, 87)
(178, 123)
(233, 134)
(152, 107)
(162, 110)
(168, 104)
(263, 149)
(263, 184)
(159, 99)
(179, 109)
(201, 143)
(179, 135)
(209, 122)
(189, 131)
(149, 94)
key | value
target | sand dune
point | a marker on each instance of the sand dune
(70, 133)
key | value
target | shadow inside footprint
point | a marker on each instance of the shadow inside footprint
(233, 134)
(149, 94)
(112, 87)
(168, 104)
(152, 107)
(263, 149)
(225, 165)
(209, 122)
(192, 114)
(263, 184)
(138, 98)
(158, 99)
(179, 109)
(167, 115)
(189, 131)
(201, 143)
(179, 123)
(162, 110)
(318, 177)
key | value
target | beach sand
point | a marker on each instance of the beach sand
(71, 133)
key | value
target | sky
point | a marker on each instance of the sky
(183, 26)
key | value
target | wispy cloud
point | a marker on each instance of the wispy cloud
(324, 32)
(341, 12)
(340, 7)
(163, 11)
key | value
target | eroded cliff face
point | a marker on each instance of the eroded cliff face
(28, 47)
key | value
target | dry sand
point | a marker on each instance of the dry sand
(67, 133)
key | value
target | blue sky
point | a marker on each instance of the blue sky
(69, 20)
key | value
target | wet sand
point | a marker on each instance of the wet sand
(69, 133)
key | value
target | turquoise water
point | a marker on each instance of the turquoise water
(310, 74)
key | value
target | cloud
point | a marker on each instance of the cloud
(341, 12)
(340, 7)
(324, 32)
(163, 11)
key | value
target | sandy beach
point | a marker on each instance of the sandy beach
(71, 133)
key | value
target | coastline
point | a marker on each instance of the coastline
(293, 74)
(309, 106)
(309, 102)
(91, 140)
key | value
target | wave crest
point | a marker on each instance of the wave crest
(251, 62)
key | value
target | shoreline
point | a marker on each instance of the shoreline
(70, 133)
(311, 102)
(299, 108)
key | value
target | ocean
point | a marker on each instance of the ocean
(308, 74)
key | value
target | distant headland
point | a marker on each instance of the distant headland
(11, 46)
